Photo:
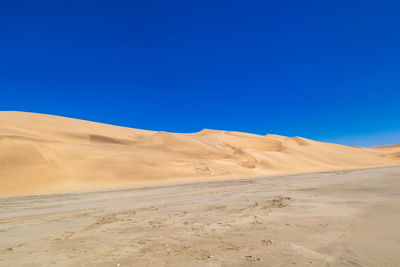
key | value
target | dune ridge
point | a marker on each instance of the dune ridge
(45, 153)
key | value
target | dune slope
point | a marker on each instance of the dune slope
(44, 153)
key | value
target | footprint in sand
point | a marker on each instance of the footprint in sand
(202, 255)
(266, 242)
(101, 221)
(251, 258)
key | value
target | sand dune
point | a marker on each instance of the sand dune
(43, 153)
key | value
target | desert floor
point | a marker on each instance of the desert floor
(346, 218)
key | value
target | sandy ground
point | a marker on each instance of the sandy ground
(345, 218)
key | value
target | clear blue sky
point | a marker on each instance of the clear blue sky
(325, 70)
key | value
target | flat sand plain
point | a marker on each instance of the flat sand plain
(343, 218)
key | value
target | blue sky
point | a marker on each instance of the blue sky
(325, 70)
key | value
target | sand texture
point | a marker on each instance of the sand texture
(43, 153)
(342, 218)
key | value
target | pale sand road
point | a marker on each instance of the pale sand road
(348, 218)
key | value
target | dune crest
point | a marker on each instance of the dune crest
(44, 153)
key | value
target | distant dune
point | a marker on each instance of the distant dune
(45, 153)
